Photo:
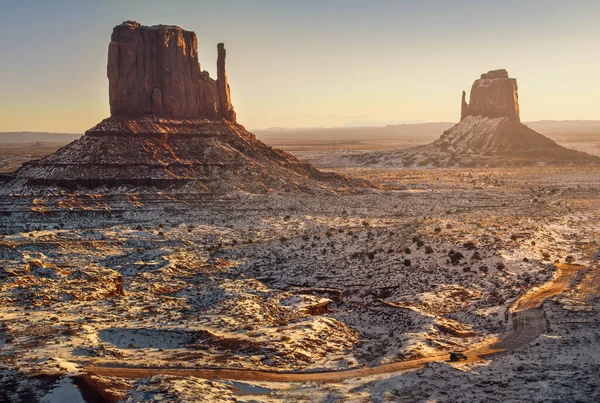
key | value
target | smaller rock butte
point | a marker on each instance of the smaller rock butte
(494, 95)
(155, 71)
(489, 134)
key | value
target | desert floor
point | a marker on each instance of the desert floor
(434, 262)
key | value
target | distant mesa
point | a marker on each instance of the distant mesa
(490, 133)
(171, 124)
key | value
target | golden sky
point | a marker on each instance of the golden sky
(311, 63)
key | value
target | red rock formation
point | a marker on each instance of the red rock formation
(464, 109)
(171, 126)
(155, 71)
(225, 107)
(490, 134)
(494, 95)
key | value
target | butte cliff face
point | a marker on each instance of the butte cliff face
(155, 71)
(171, 125)
(490, 133)
(494, 95)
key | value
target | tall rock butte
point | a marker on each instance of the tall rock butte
(155, 71)
(494, 95)
(172, 125)
(490, 133)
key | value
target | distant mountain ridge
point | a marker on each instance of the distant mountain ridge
(279, 135)
(550, 125)
(37, 137)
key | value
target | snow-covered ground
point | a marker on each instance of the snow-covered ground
(289, 282)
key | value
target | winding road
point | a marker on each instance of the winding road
(526, 325)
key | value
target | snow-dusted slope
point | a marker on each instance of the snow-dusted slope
(216, 155)
(475, 141)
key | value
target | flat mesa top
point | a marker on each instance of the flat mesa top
(135, 24)
(493, 74)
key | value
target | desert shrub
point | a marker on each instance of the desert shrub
(469, 245)
(455, 257)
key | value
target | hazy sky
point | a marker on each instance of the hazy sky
(311, 62)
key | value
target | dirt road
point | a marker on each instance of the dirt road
(526, 325)
(528, 320)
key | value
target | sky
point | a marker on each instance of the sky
(311, 63)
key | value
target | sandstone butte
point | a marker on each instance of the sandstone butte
(155, 71)
(489, 134)
(490, 131)
(494, 95)
(172, 125)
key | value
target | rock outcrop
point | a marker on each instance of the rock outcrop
(172, 125)
(225, 107)
(490, 133)
(215, 156)
(494, 95)
(155, 71)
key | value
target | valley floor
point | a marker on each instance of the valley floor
(435, 262)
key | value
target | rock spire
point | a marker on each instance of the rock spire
(225, 106)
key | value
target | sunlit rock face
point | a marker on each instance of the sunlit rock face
(155, 71)
(494, 95)
(171, 125)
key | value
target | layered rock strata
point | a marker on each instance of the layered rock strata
(216, 155)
